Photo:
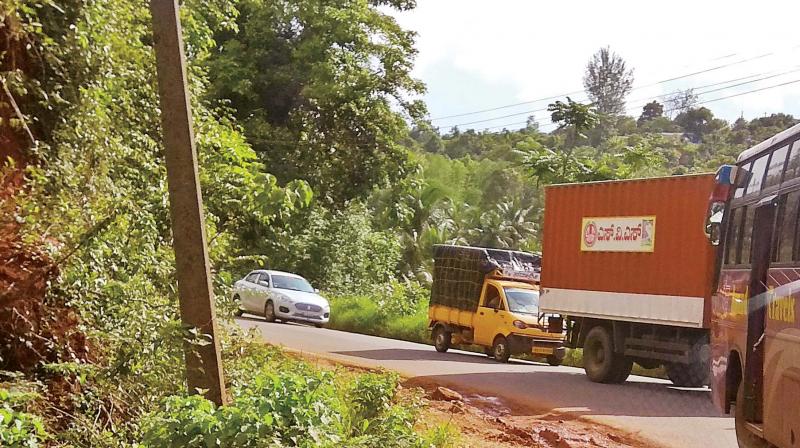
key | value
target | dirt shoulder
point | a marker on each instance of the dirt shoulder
(497, 422)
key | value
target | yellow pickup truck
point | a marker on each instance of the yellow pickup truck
(490, 298)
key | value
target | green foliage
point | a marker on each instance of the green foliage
(290, 403)
(608, 81)
(322, 112)
(398, 310)
(340, 252)
(19, 429)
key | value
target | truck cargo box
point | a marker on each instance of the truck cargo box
(631, 250)
(459, 272)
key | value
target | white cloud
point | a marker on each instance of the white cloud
(541, 48)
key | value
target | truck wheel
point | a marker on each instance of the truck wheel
(687, 375)
(500, 350)
(745, 438)
(553, 360)
(695, 374)
(441, 339)
(600, 362)
(623, 368)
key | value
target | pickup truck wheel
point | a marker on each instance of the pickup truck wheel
(599, 360)
(500, 351)
(441, 339)
(269, 311)
(554, 361)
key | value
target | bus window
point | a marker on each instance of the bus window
(788, 227)
(747, 236)
(759, 167)
(733, 235)
(740, 191)
(775, 168)
(793, 165)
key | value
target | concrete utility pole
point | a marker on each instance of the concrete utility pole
(203, 363)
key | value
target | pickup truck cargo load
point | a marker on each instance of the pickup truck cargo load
(490, 297)
(632, 258)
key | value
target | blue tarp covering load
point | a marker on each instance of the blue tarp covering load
(458, 272)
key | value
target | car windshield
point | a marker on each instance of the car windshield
(525, 301)
(293, 283)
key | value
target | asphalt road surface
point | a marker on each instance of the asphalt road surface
(650, 408)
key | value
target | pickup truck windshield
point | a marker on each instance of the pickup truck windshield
(293, 283)
(523, 301)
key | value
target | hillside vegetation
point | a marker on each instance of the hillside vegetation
(315, 157)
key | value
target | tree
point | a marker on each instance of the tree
(575, 116)
(608, 81)
(699, 122)
(681, 101)
(650, 111)
(315, 85)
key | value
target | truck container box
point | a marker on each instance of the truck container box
(632, 250)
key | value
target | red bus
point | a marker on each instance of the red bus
(755, 335)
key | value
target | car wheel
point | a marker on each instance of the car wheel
(500, 351)
(319, 325)
(269, 311)
(238, 301)
(441, 339)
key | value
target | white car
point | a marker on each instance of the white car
(282, 296)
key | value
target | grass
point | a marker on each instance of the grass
(361, 314)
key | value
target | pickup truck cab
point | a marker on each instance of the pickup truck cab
(506, 322)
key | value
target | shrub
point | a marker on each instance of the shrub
(291, 403)
(398, 310)
(19, 429)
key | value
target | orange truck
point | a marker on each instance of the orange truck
(630, 268)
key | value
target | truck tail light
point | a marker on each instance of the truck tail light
(520, 324)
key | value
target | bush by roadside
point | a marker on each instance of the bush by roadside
(397, 310)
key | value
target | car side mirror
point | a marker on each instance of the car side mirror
(316, 290)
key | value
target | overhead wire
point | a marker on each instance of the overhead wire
(534, 111)
(675, 109)
(674, 78)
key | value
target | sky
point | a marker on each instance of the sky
(482, 54)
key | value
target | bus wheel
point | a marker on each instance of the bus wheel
(441, 339)
(500, 350)
(744, 436)
(598, 356)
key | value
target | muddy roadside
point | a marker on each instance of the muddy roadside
(497, 422)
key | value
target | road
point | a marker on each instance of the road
(649, 408)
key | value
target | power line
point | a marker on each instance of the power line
(528, 112)
(674, 109)
(675, 78)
